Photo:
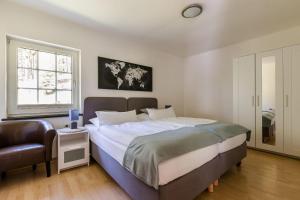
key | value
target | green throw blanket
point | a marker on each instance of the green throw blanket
(144, 153)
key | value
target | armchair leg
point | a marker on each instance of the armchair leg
(3, 175)
(239, 164)
(34, 167)
(48, 168)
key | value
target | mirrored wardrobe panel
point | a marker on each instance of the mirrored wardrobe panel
(269, 100)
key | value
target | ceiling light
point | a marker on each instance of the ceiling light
(192, 11)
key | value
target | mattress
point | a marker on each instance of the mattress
(232, 143)
(172, 168)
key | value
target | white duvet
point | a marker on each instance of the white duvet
(126, 132)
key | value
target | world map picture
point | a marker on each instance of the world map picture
(120, 75)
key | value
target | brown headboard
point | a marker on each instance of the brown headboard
(92, 104)
(137, 103)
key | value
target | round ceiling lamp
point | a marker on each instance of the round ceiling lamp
(192, 11)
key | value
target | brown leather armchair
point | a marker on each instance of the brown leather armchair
(25, 143)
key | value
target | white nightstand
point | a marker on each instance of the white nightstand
(73, 148)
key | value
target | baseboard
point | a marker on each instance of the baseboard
(275, 153)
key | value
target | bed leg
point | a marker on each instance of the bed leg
(216, 182)
(211, 188)
(239, 164)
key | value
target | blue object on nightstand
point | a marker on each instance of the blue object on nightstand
(74, 117)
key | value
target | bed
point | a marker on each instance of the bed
(213, 161)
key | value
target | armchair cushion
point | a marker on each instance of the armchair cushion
(21, 155)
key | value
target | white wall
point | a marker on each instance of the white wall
(25, 22)
(208, 82)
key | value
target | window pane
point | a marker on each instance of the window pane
(64, 81)
(46, 96)
(64, 63)
(27, 78)
(27, 58)
(46, 61)
(27, 96)
(64, 97)
(46, 80)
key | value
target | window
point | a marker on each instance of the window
(41, 78)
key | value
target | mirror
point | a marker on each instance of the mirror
(268, 100)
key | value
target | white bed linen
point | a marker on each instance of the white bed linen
(112, 148)
(126, 132)
(188, 121)
(232, 143)
(115, 139)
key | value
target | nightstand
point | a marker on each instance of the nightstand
(73, 148)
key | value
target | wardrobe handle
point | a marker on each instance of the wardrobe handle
(257, 101)
(286, 101)
(253, 100)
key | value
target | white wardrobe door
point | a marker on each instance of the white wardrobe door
(269, 100)
(244, 94)
(292, 100)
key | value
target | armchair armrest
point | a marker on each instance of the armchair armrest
(48, 136)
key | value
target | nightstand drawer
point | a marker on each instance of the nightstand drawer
(73, 156)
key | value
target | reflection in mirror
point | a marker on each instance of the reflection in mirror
(268, 100)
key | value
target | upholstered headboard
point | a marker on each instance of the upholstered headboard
(93, 104)
(137, 103)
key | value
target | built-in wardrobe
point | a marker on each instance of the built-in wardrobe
(266, 94)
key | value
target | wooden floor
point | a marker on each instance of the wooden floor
(262, 176)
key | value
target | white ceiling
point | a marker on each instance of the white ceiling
(159, 22)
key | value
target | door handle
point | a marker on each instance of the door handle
(286, 100)
(257, 101)
(253, 100)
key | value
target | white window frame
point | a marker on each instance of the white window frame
(15, 110)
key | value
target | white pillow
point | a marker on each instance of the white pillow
(113, 117)
(95, 121)
(161, 113)
(143, 117)
(144, 110)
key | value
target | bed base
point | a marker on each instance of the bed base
(186, 187)
(232, 158)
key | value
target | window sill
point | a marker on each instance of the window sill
(35, 117)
